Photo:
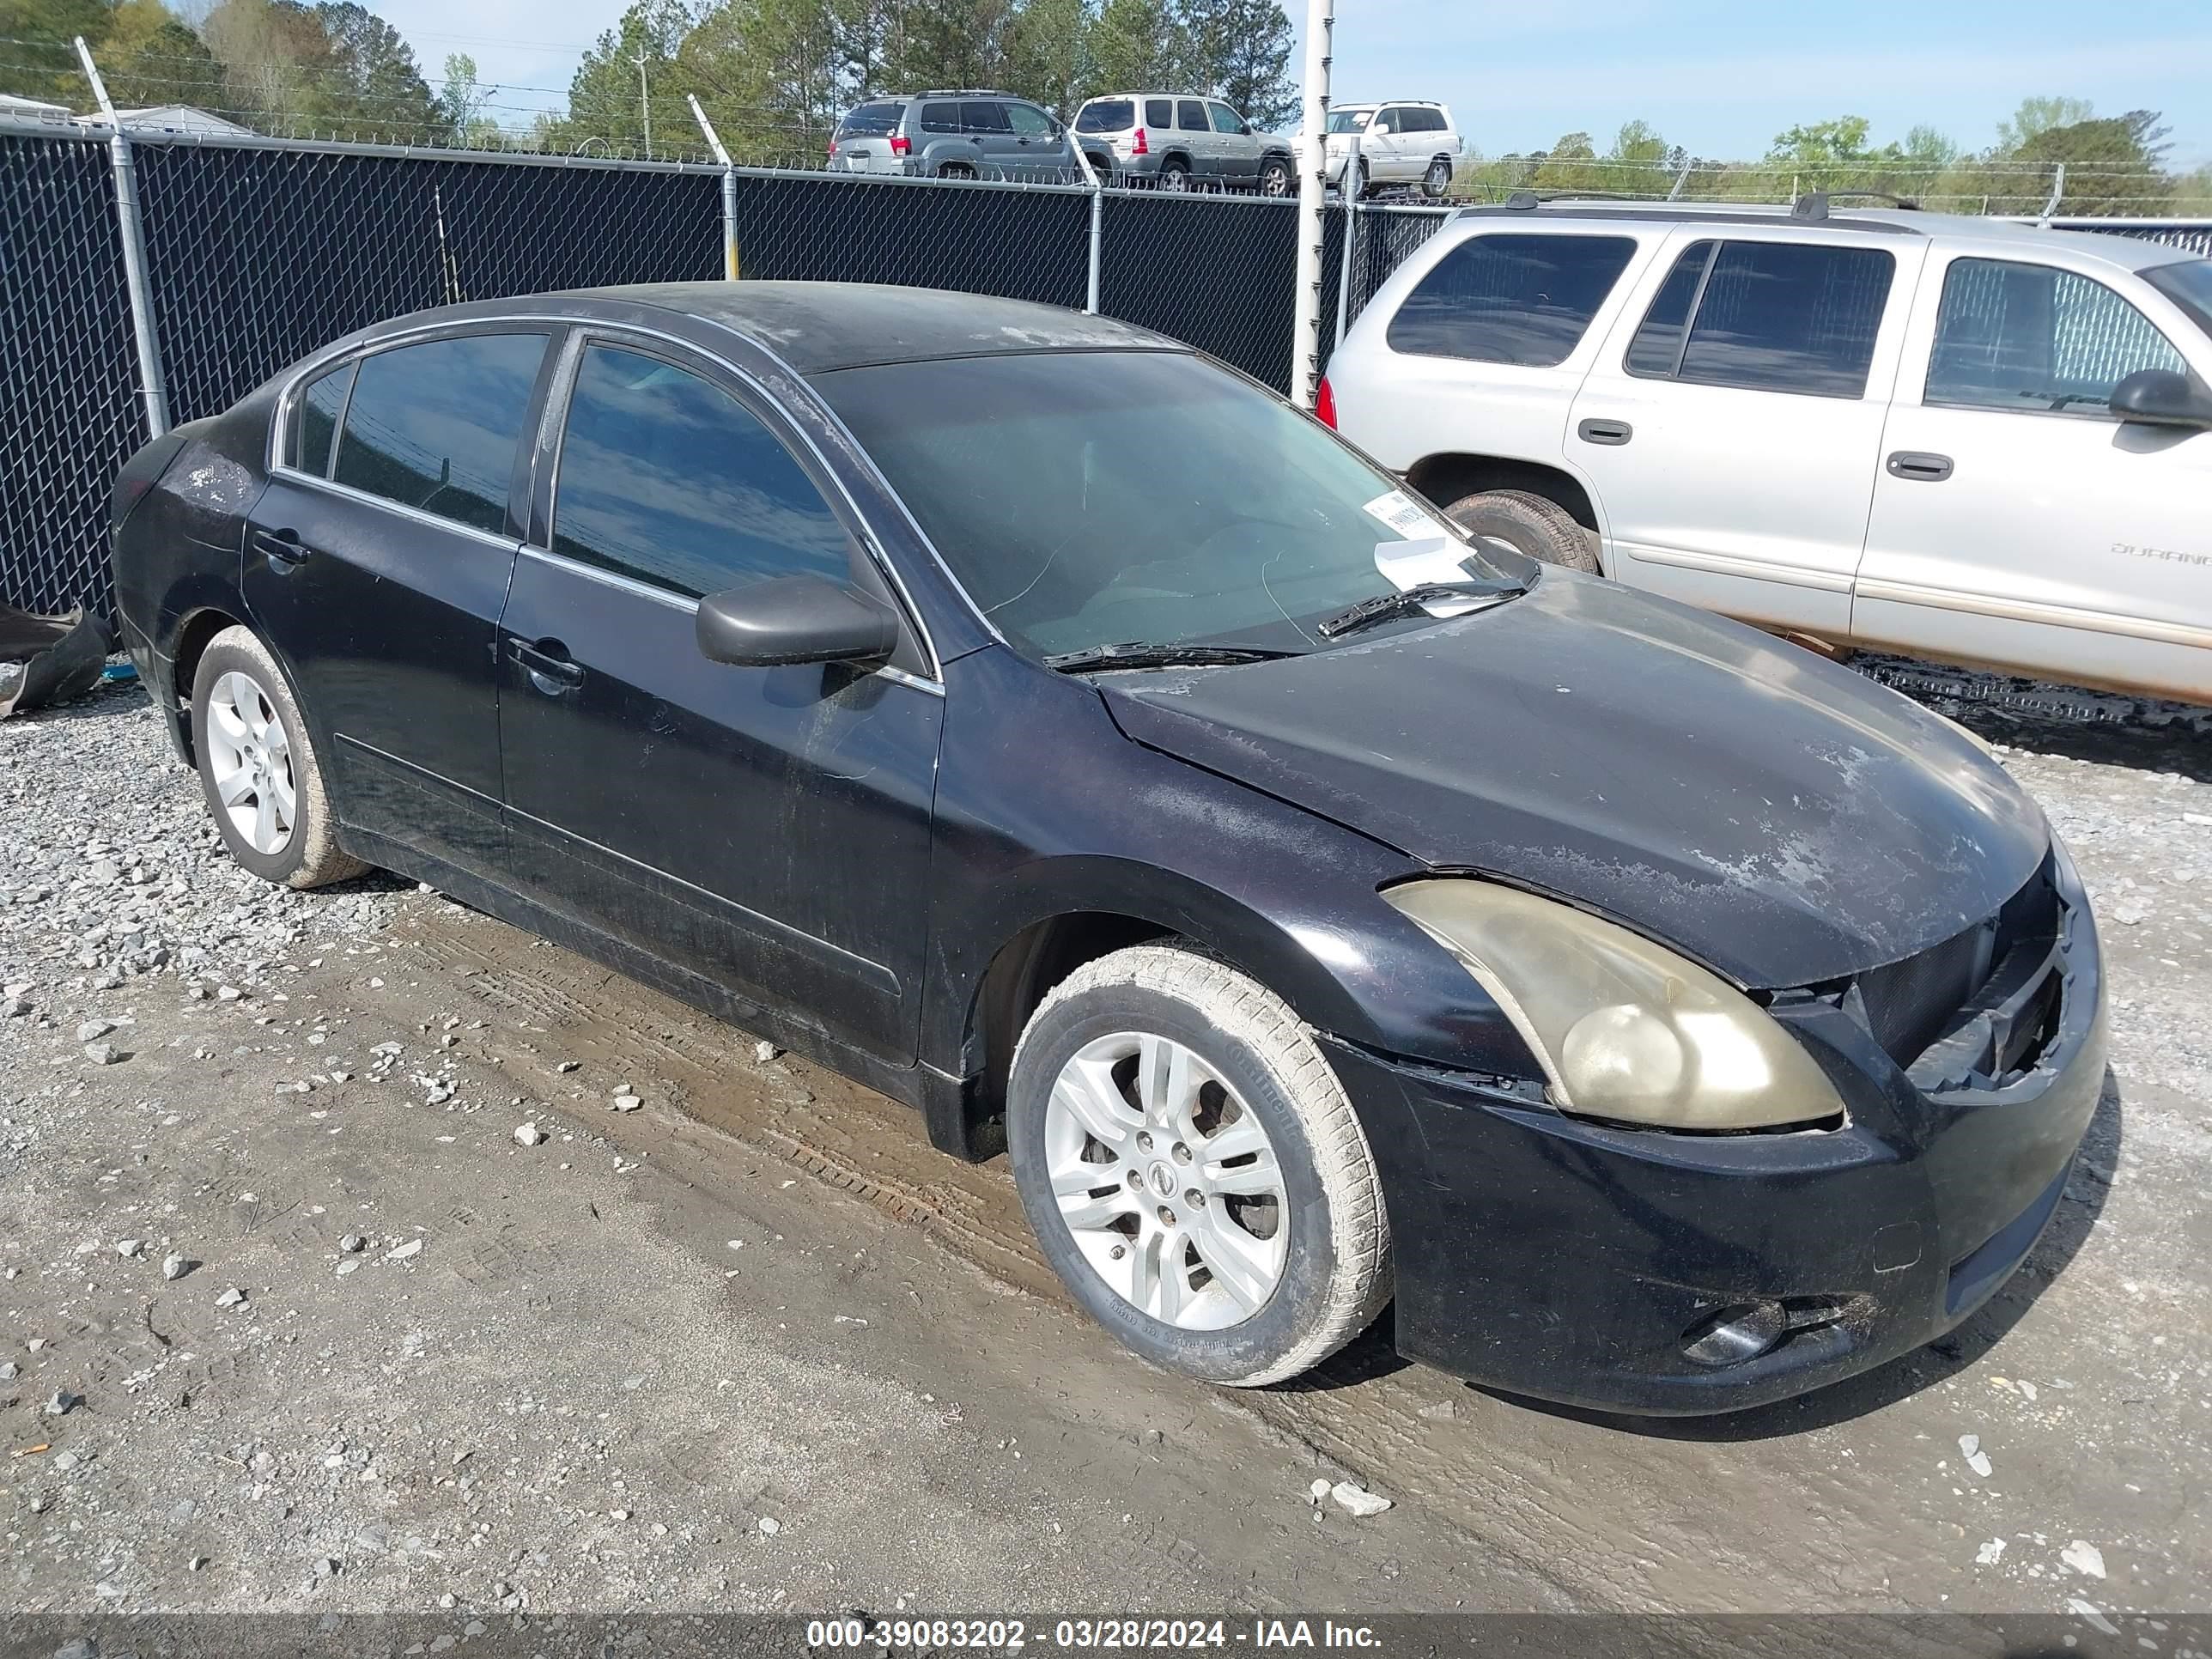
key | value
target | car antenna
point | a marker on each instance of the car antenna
(1523, 201)
(1813, 204)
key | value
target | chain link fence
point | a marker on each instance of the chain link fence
(68, 415)
(258, 252)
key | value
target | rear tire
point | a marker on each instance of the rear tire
(1436, 183)
(955, 170)
(1528, 523)
(1174, 177)
(1221, 1135)
(258, 768)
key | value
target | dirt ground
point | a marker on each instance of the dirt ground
(752, 1345)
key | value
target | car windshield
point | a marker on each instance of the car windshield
(871, 118)
(1106, 115)
(1350, 120)
(2189, 285)
(1092, 498)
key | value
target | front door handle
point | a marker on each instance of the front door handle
(1918, 466)
(550, 668)
(281, 548)
(1605, 432)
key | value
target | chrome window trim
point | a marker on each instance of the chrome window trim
(876, 472)
(565, 375)
(293, 475)
(330, 356)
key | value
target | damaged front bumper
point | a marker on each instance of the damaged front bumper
(1668, 1274)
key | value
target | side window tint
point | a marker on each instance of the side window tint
(1657, 347)
(1386, 122)
(320, 405)
(669, 479)
(983, 117)
(1508, 299)
(1789, 317)
(1190, 116)
(940, 118)
(1028, 122)
(2021, 337)
(435, 426)
(1158, 113)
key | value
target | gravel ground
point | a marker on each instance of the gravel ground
(296, 1315)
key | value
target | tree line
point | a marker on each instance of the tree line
(774, 76)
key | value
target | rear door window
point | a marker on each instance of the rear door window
(2026, 338)
(668, 479)
(983, 117)
(1510, 299)
(1159, 113)
(940, 118)
(1768, 316)
(320, 405)
(435, 426)
(1107, 115)
(1190, 117)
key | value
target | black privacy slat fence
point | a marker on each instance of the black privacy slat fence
(68, 379)
(258, 252)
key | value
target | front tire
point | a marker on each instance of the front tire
(1528, 523)
(1192, 1169)
(1275, 178)
(257, 767)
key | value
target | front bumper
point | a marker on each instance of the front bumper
(1576, 1262)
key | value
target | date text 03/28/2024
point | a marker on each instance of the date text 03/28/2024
(1086, 1635)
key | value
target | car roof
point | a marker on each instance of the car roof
(816, 327)
(1994, 236)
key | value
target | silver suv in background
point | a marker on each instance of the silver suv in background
(1405, 141)
(1175, 140)
(961, 133)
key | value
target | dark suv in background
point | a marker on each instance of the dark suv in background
(961, 133)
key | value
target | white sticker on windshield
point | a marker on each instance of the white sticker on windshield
(1407, 516)
(1437, 559)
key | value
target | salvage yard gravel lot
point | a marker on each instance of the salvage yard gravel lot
(361, 1253)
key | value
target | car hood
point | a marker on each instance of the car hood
(1781, 818)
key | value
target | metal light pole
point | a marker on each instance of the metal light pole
(1313, 183)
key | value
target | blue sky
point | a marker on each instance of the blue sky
(1721, 77)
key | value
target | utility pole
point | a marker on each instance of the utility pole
(645, 103)
(1313, 181)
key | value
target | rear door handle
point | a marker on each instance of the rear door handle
(1918, 466)
(1605, 432)
(281, 548)
(550, 668)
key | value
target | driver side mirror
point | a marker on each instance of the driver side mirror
(795, 619)
(2160, 397)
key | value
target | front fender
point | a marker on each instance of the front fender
(1089, 823)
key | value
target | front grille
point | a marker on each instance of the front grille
(1912, 1005)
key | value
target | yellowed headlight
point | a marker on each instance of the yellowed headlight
(1625, 1028)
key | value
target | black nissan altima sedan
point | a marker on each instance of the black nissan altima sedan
(1030, 717)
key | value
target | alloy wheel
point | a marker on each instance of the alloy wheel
(250, 762)
(1174, 179)
(1166, 1180)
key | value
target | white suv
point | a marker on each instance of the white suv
(1958, 438)
(1409, 141)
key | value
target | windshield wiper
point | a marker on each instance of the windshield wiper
(1406, 601)
(1142, 654)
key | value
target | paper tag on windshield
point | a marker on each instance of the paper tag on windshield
(1407, 516)
(1437, 559)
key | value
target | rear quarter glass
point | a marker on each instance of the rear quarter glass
(1108, 115)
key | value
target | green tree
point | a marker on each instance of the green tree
(2112, 165)
(605, 115)
(1240, 51)
(462, 103)
(1137, 45)
(150, 56)
(2037, 115)
(371, 79)
(1048, 54)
